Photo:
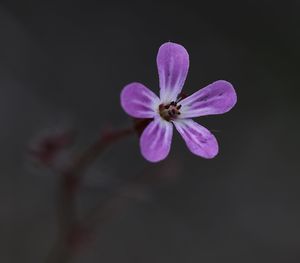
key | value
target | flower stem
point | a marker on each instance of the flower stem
(70, 182)
(87, 157)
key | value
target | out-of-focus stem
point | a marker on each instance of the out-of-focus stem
(94, 150)
(70, 181)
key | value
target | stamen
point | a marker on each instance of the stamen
(169, 111)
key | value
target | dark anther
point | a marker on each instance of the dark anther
(178, 107)
(173, 103)
(178, 113)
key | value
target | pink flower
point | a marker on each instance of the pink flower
(172, 108)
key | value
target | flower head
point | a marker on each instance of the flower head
(174, 108)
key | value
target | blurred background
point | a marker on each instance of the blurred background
(63, 64)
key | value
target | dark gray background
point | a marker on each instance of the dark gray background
(67, 61)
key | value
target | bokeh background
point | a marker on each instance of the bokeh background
(64, 63)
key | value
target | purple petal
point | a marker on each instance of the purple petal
(198, 139)
(156, 140)
(216, 98)
(138, 101)
(173, 64)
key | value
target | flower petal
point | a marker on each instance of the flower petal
(156, 140)
(173, 64)
(216, 98)
(198, 139)
(138, 101)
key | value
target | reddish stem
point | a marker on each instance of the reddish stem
(71, 179)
